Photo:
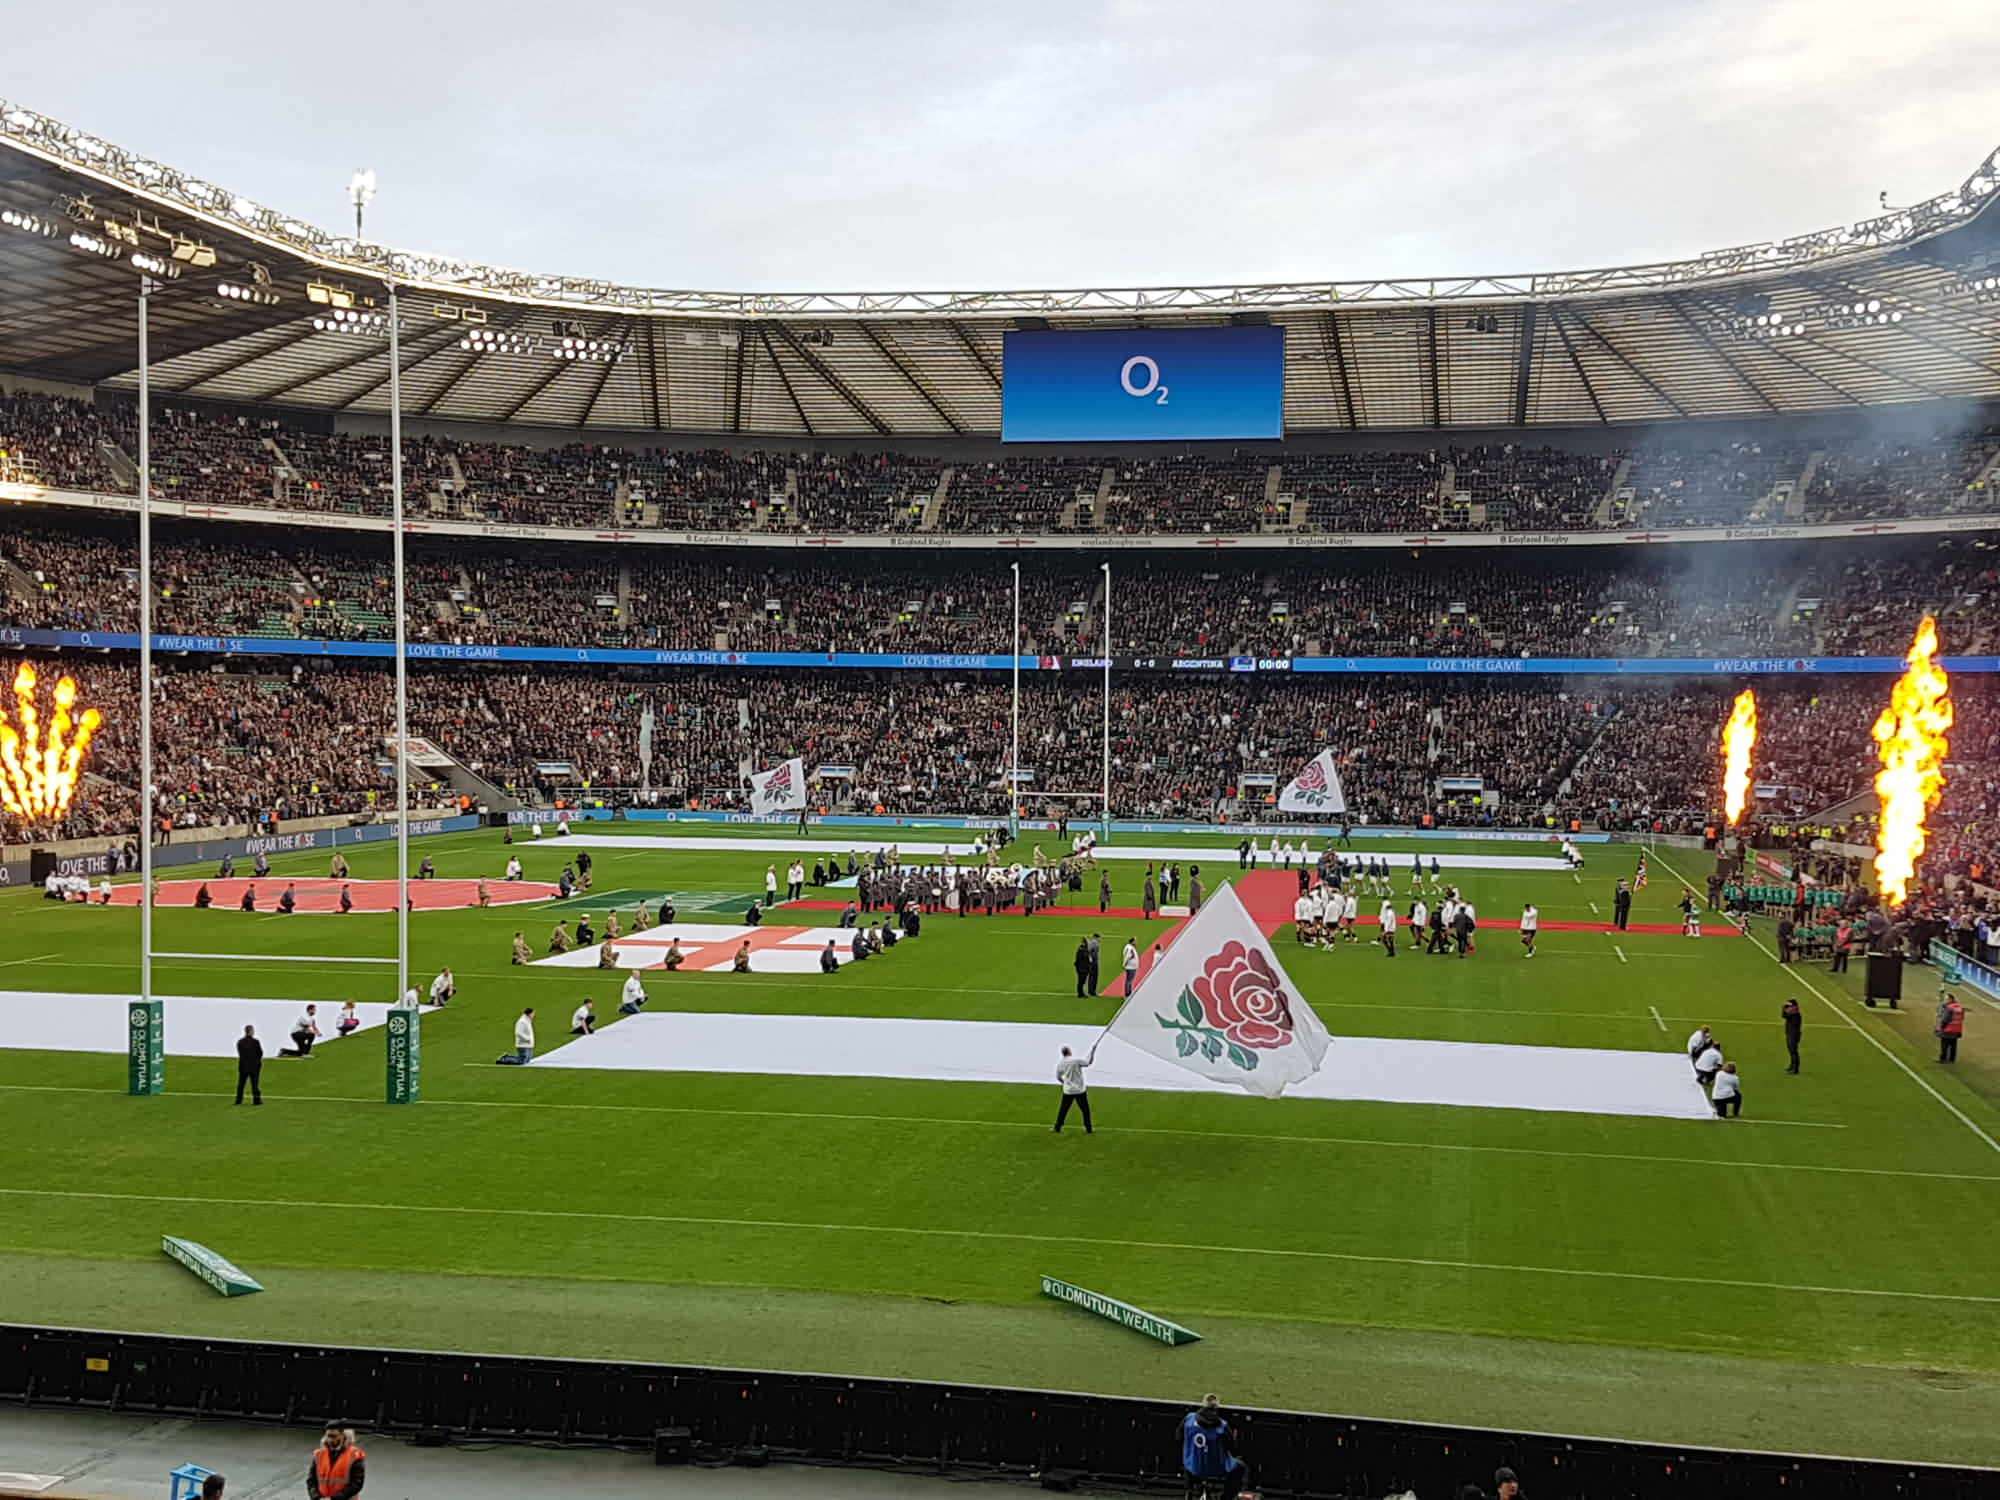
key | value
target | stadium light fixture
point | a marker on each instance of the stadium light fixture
(260, 296)
(154, 265)
(13, 218)
(353, 322)
(91, 244)
(327, 295)
(499, 341)
(194, 253)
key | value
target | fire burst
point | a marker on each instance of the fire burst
(1910, 738)
(1739, 738)
(38, 771)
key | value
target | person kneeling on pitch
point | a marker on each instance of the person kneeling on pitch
(1075, 1092)
(1727, 1093)
(524, 1042)
(632, 999)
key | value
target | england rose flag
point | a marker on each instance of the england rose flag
(1316, 789)
(780, 789)
(1219, 1004)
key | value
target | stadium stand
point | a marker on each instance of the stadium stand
(270, 460)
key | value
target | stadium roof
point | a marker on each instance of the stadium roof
(1900, 308)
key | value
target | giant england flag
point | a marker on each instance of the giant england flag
(1218, 1003)
(1316, 789)
(780, 789)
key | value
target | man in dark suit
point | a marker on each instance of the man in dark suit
(250, 1065)
(1621, 907)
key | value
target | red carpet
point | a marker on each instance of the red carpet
(324, 895)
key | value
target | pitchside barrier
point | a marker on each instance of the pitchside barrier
(1955, 968)
(958, 1430)
(1118, 826)
(44, 863)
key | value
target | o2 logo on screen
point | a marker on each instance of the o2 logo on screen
(1140, 378)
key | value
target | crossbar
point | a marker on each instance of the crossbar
(275, 958)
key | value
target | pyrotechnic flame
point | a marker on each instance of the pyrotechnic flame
(1739, 738)
(1910, 738)
(39, 774)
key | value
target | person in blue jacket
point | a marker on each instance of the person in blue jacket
(1207, 1461)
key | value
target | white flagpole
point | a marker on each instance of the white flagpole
(146, 809)
(1014, 758)
(1105, 810)
(402, 656)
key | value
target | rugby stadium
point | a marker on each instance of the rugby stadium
(1495, 780)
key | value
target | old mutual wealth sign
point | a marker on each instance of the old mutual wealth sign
(406, 1056)
(1135, 1318)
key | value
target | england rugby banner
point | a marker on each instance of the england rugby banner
(780, 789)
(1316, 789)
(1218, 1003)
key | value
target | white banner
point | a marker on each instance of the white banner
(780, 789)
(1316, 789)
(1219, 1004)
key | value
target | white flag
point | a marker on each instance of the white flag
(1316, 789)
(780, 789)
(1218, 1003)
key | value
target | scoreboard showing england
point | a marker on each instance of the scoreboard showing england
(1140, 384)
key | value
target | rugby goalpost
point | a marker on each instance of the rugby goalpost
(147, 809)
(1102, 795)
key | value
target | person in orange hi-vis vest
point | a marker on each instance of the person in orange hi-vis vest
(339, 1468)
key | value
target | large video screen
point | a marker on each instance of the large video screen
(1137, 384)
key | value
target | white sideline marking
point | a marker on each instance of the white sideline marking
(1014, 1236)
(1621, 954)
(1367, 1142)
(1593, 909)
(40, 958)
(1658, 1020)
(1873, 1040)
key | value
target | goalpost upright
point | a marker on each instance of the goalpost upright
(148, 811)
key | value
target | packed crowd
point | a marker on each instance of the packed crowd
(230, 747)
(251, 744)
(224, 458)
(64, 572)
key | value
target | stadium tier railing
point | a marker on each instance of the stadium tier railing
(1083, 541)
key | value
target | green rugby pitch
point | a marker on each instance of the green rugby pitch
(1819, 1275)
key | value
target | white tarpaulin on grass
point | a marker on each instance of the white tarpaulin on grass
(197, 1025)
(1569, 1080)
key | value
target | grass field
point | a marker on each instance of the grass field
(1818, 1275)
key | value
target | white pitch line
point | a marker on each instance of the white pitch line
(1621, 954)
(1593, 908)
(1577, 878)
(1874, 1041)
(1658, 1020)
(1011, 1235)
(38, 959)
(928, 1121)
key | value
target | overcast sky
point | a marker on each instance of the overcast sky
(828, 146)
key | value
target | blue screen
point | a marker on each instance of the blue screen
(1136, 384)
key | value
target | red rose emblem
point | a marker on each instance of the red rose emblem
(1241, 998)
(1312, 778)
